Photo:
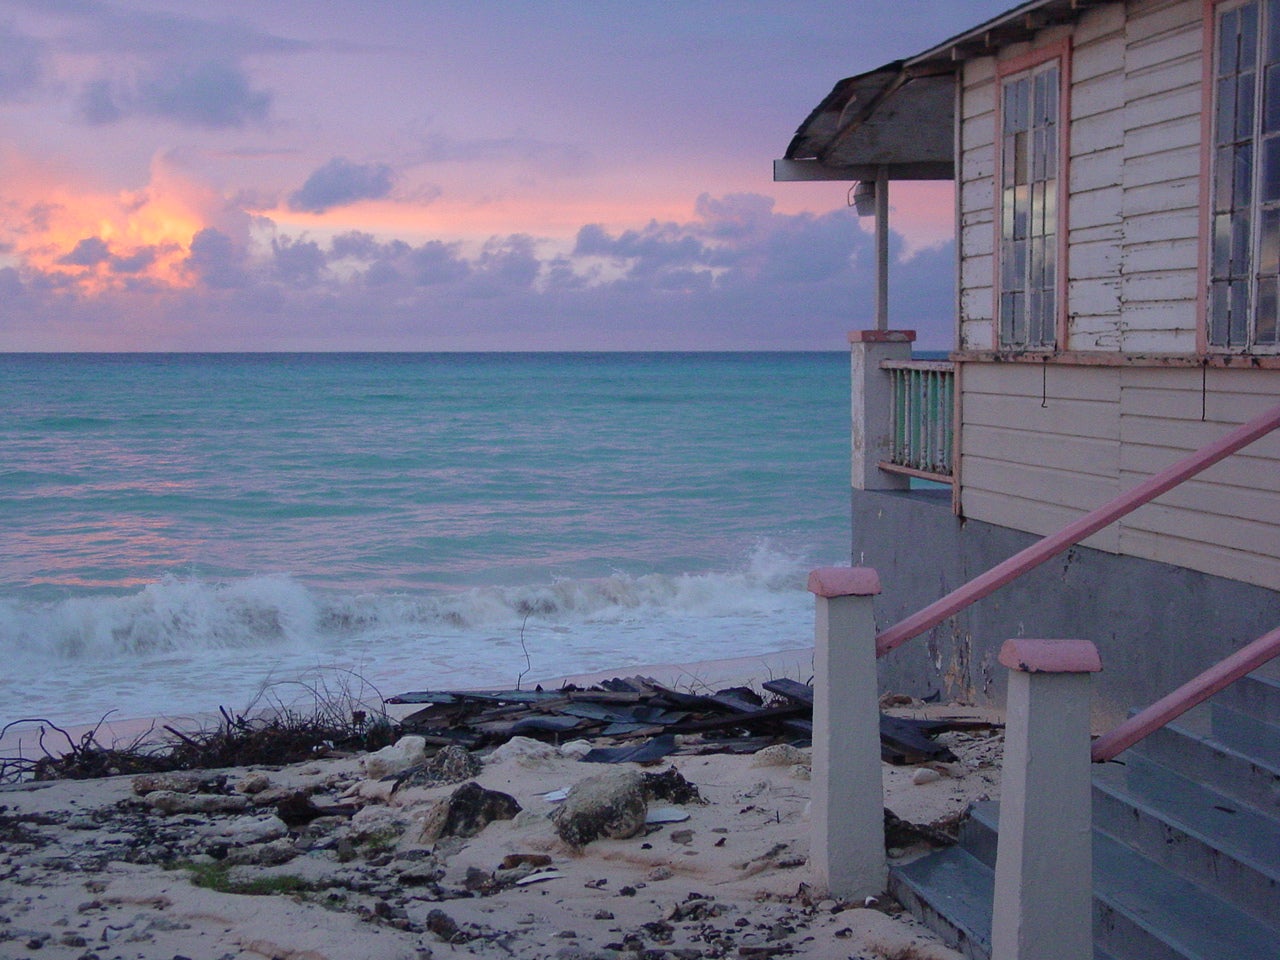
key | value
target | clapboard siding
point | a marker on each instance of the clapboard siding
(1041, 518)
(1041, 444)
(1260, 569)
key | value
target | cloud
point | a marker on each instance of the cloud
(96, 104)
(736, 274)
(340, 182)
(214, 259)
(210, 94)
(88, 252)
(22, 63)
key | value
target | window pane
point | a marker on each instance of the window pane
(1269, 242)
(1221, 246)
(1238, 334)
(1225, 117)
(1248, 36)
(1020, 213)
(1051, 101)
(1219, 312)
(1242, 192)
(1265, 326)
(1021, 161)
(1240, 237)
(1270, 185)
(1273, 31)
(1228, 40)
(1244, 105)
(1271, 101)
(1223, 179)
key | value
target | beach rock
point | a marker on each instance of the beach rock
(779, 755)
(453, 764)
(467, 811)
(263, 854)
(610, 804)
(245, 831)
(401, 755)
(252, 784)
(671, 786)
(176, 782)
(168, 802)
(526, 752)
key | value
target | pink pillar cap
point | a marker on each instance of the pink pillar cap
(1050, 656)
(844, 582)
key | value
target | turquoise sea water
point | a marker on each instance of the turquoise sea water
(178, 529)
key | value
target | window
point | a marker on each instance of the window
(1028, 293)
(1244, 245)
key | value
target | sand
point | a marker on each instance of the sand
(87, 868)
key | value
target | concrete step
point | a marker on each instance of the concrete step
(1250, 734)
(1142, 910)
(1226, 847)
(951, 891)
(1255, 695)
(1206, 760)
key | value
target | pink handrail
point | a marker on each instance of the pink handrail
(1036, 554)
(1222, 674)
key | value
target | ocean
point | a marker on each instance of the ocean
(183, 532)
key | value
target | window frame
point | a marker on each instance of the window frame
(1213, 12)
(1010, 70)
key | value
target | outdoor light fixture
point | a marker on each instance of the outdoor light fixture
(863, 197)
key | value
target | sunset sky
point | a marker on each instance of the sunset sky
(446, 174)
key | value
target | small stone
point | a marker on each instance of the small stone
(682, 836)
(925, 775)
(603, 915)
(253, 783)
(660, 873)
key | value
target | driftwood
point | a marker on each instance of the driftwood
(641, 709)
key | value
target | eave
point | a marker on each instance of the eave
(897, 122)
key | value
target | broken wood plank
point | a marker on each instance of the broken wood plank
(791, 689)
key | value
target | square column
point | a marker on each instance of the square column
(872, 391)
(1043, 906)
(846, 813)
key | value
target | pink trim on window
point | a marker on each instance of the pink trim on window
(1061, 51)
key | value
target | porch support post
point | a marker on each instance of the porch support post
(1043, 906)
(882, 249)
(872, 391)
(846, 816)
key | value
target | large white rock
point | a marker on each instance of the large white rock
(401, 755)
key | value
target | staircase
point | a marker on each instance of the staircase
(1186, 846)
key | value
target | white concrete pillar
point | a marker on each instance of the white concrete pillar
(847, 809)
(872, 394)
(1043, 906)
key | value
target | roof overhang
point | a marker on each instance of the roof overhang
(898, 121)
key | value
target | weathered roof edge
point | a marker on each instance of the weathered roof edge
(804, 159)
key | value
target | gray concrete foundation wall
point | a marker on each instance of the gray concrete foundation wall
(1155, 625)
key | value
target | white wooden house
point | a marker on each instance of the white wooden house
(1117, 174)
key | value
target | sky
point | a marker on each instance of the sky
(447, 175)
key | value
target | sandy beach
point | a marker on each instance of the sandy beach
(376, 863)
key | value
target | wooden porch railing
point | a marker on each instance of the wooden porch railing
(922, 397)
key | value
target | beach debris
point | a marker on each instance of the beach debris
(652, 721)
(666, 815)
(609, 805)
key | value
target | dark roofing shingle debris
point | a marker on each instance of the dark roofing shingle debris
(646, 717)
